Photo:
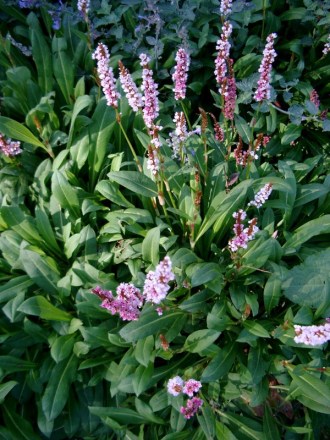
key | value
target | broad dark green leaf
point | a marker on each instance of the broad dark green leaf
(220, 364)
(40, 306)
(150, 246)
(148, 324)
(142, 378)
(58, 388)
(199, 340)
(135, 181)
(18, 426)
(65, 194)
(19, 132)
(5, 389)
(269, 425)
(63, 68)
(14, 286)
(124, 416)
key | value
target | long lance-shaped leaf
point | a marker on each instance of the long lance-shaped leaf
(19, 132)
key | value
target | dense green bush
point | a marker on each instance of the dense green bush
(83, 211)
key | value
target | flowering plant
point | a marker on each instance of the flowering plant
(164, 219)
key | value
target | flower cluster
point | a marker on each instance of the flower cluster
(156, 284)
(106, 76)
(177, 385)
(27, 3)
(83, 7)
(149, 87)
(180, 74)
(225, 7)
(9, 147)
(127, 303)
(27, 51)
(312, 334)
(326, 48)
(129, 300)
(261, 196)
(56, 16)
(242, 235)
(265, 69)
(314, 98)
(224, 71)
(133, 96)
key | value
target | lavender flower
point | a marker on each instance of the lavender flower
(178, 137)
(151, 105)
(27, 51)
(83, 7)
(242, 235)
(229, 98)
(312, 334)
(133, 96)
(106, 76)
(265, 69)
(27, 3)
(156, 284)
(225, 7)
(175, 386)
(326, 48)
(8, 147)
(180, 73)
(223, 48)
(191, 408)
(261, 196)
(191, 387)
(314, 98)
(127, 302)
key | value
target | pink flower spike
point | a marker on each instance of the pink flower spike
(180, 74)
(261, 196)
(326, 48)
(225, 7)
(149, 87)
(156, 284)
(133, 96)
(175, 385)
(265, 69)
(8, 147)
(312, 334)
(106, 76)
(191, 386)
(83, 7)
(192, 407)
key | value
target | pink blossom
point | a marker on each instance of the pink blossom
(242, 235)
(326, 48)
(175, 386)
(261, 196)
(133, 96)
(156, 284)
(265, 69)
(180, 74)
(191, 408)
(149, 87)
(225, 7)
(106, 76)
(191, 386)
(83, 6)
(9, 147)
(223, 48)
(314, 98)
(229, 98)
(312, 334)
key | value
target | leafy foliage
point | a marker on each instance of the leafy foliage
(80, 208)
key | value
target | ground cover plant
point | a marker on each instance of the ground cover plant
(164, 219)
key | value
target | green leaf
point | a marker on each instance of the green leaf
(310, 387)
(62, 347)
(42, 270)
(14, 287)
(256, 329)
(100, 130)
(273, 288)
(17, 131)
(247, 427)
(150, 246)
(294, 14)
(256, 364)
(124, 416)
(270, 428)
(207, 422)
(145, 410)
(46, 230)
(58, 388)
(148, 324)
(63, 68)
(291, 133)
(310, 229)
(142, 378)
(310, 192)
(220, 364)
(19, 427)
(5, 389)
(243, 129)
(81, 103)
(111, 192)
(223, 432)
(199, 340)
(40, 306)
(209, 274)
(135, 182)
(144, 349)
(13, 364)
(65, 194)
(308, 284)
(41, 54)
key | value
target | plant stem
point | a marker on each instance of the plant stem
(138, 164)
